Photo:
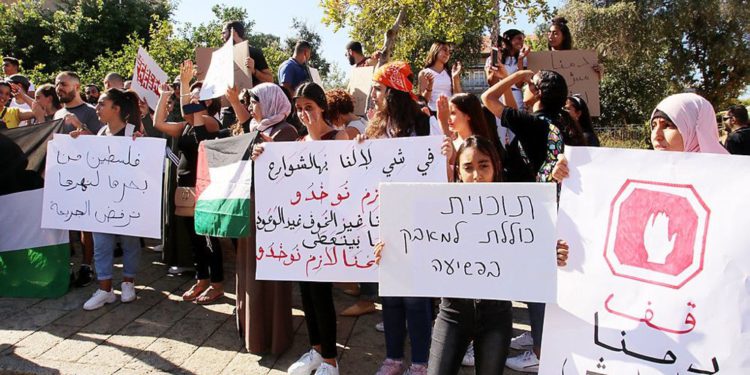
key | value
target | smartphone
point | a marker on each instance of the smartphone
(493, 56)
(192, 108)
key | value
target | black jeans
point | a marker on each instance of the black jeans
(488, 323)
(207, 257)
(320, 316)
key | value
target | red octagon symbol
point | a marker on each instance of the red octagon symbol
(657, 233)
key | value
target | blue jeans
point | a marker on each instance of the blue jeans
(104, 248)
(536, 321)
(368, 291)
(488, 323)
(414, 313)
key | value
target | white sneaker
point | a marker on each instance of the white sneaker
(174, 270)
(128, 292)
(526, 362)
(523, 341)
(157, 248)
(380, 327)
(327, 369)
(468, 360)
(305, 364)
(99, 299)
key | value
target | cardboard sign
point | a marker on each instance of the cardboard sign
(317, 203)
(147, 77)
(104, 185)
(576, 66)
(359, 88)
(656, 281)
(478, 241)
(242, 77)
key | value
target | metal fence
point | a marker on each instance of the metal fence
(626, 135)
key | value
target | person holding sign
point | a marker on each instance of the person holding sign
(200, 124)
(317, 297)
(118, 110)
(256, 62)
(559, 38)
(543, 135)
(398, 115)
(264, 301)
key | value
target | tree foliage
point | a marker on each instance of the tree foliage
(651, 49)
(461, 22)
(75, 34)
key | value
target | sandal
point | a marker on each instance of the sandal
(194, 292)
(209, 296)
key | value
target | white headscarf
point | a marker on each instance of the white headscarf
(274, 106)
(695, 118)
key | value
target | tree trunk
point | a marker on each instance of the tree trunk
(390, 38)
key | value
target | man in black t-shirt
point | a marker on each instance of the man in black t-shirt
(256, 63)
(738, 140)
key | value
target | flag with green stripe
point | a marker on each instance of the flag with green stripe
(33, 261)
(225, 176)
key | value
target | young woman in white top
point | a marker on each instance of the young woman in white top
(438, 78)
(118, 109)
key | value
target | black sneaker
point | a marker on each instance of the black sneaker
(85, 276)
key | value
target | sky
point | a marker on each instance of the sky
(276, 18)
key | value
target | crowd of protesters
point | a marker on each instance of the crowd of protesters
(516, 131)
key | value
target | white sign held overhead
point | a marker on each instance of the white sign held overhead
(220, 75)
(147, 77)
(656, 281)
(479, 241)
(104, 185)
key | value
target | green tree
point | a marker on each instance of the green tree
(651, 49)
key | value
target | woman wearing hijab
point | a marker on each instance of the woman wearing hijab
(681, 122)
(264, 308)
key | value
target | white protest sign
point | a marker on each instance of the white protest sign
(656, 282)
(317, 203)
(479, 241)
(315, 76)
(220, 74)
(104, 185)
(147, 76)
(576, 66)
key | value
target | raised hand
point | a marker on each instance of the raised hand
(457, 69)
(524, 52)
(187, 72)
(656, 238)
(165, 89)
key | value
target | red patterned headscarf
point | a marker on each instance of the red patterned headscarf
(396, 76)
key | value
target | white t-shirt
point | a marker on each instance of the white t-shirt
(359, 124)
(441, 86)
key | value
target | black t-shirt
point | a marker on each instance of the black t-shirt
(738, 141)
(260, 62)
(532, 131)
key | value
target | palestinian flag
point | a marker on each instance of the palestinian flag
(34, 262)
(225, 175)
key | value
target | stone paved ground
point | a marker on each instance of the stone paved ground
(158, 333)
